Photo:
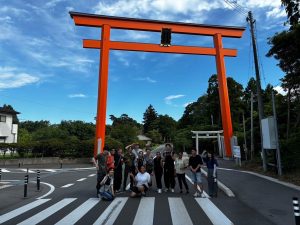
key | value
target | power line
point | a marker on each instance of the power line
(236, 7)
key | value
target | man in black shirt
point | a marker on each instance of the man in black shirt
(195, 163)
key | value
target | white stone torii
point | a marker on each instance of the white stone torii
(208, 134)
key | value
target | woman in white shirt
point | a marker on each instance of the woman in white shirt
(180, 166)
(142, 180)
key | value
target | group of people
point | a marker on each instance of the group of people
(140, 167)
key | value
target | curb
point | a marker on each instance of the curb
(293, 186)
(222, 186)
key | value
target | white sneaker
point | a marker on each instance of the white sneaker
(159, 191)
(172, 190)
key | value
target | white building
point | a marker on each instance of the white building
(8, 130)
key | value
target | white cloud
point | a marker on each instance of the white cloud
(280, 90)
(148, 79)
(186, 104)
(80, 95)
(11, 78)
(276, 13)
(170, 98)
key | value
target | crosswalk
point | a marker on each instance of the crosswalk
(143, 211)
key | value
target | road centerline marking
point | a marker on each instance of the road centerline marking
(67, 185)
(81, 179)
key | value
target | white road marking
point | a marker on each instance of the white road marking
(5, 186)
(222, 186)
(213, 213)
(37, 218)
(67, 185)
(82, 179)
(79, 212)
(4, 182)
(52, 188)
(50, 170)
(5, 171)
(179, 213)
(112, 211)
(145, 212)
(91, 175)
(29, 171)
(21, 210)
(190, 180)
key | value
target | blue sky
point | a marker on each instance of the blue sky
(46, 74)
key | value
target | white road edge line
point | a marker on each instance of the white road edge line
(266, 177)
(67, 185)
(5, 186)
(52, 188)
(222, 186)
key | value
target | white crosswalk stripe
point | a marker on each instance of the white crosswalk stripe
(213, 213)
(144, 213)
(179, 213)
(112, 211)
(5, 171)
(47, 212)
(29, 171)
(79, 212)
(21, 210)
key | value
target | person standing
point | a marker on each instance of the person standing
(180, 166)
(100, 162)
(141, 180)
(158, 171)
(129, 160)
(169, 172)
(140, 161)
(118, 161)
(195, 163)
(212, 165)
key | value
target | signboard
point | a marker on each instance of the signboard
(268, 133)
(236, 152)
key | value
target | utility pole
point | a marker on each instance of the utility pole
(245, 142)
(278, 157)
(252, 141)
(259, 97)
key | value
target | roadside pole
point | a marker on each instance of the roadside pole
(278, 157)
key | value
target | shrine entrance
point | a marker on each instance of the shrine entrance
(166, 28)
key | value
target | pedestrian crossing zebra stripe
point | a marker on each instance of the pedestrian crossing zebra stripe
(145, 212)
(213, 213)
(112, 211)
(37, 218)
(79, 212)
(5, 171)
(21, 210)
(179, 213)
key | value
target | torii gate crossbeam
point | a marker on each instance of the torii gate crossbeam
(109, 22)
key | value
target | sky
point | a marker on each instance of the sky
(45, 74)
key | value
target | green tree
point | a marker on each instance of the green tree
(149, 117)
(166, 126)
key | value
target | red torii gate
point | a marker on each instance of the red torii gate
(109, 22)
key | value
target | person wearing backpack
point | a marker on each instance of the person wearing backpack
(107, 186)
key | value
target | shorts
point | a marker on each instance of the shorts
(196, 178)
(136, 190)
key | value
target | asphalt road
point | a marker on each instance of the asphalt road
(70, 198)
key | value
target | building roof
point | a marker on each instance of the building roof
(8, 111)
(143, 138)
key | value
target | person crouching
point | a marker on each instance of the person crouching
(141, 180)
(107, 186)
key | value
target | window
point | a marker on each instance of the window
(2, 139)
(2, 118)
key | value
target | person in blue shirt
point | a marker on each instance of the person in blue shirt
(212, 165)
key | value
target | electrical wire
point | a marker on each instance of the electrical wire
(236, 7)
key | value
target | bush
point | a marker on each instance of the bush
(290, 153)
